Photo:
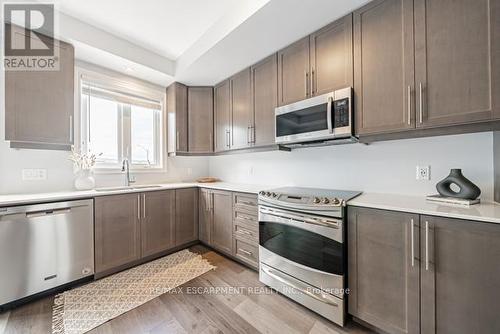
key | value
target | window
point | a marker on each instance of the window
(119, 124)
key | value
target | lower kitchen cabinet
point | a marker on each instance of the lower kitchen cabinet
(460, 285)
(215, 222)
(204, 215)
(157, 221)
(383, 278)
(117, 231)
(186, 215)
(222, 223)
(449, 286)
(246, 229)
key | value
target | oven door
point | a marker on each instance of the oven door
(309, 248)
(305, 120)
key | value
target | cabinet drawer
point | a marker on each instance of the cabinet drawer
(246, 251)
(243, 230)
(246, 216)
(246, 202)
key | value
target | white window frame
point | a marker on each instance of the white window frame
(127, 85)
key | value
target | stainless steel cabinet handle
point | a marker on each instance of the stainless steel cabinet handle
(228, 136)
(322, 297)
(71, 130)
(248, 135)
(412, 244)
(138, 207)
(409, 105)
(313, 90)
(426, 245)
(245, 252)
(421, 100)
(144, 205)
(307, 83)
(177, 145)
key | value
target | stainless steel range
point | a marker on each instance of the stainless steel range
(302, 249)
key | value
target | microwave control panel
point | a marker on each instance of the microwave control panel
(341, 113)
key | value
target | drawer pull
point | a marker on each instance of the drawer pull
(245, 252)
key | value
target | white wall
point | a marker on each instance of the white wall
(60, 171)
(380, 167)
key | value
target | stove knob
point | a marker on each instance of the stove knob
(325, 201)
(335, 201)
(316, 200)
(268, 194)
(274, 194)
(262, 192)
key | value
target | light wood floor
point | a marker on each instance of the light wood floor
(197, 313)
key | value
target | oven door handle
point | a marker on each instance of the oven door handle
(329, 114)
(319, 296)
(301, 219)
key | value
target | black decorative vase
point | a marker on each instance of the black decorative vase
(467, 189)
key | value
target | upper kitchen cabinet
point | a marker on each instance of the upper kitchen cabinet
(39, 104)
(222, 102)
(177, 111)
(457, 61)
(331, 57)
(293, 72)
(241, 110)
(317, 64)
(200, 119)
(384, 67)
(264, 77)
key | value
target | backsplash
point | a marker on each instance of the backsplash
(388, 167)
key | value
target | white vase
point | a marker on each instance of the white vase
(84, 180)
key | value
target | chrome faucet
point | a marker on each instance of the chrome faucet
(126, 168)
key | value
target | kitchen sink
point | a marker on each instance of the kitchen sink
(127, 188)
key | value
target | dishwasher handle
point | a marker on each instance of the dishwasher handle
(43, 213)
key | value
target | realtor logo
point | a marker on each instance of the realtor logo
(29, 37)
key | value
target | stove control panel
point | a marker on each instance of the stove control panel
(304, 200)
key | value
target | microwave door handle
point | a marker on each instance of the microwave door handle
(329, 114)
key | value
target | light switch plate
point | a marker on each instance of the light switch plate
(34, 174)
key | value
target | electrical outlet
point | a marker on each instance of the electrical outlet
(250, 171)
(423, 173)
(189, 171)
(34, 174)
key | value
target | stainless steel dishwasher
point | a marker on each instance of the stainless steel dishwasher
(43, 246)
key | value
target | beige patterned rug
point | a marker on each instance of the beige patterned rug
(86, 307)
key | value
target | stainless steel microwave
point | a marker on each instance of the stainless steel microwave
(322, 118)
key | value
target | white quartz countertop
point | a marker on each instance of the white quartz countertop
(22, 199)
(485, 211)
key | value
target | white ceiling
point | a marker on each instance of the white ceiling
(197, 42)
(165, 27)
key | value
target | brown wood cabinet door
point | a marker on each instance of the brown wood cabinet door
(460, 288)
(222, 224)
(157, 221)
(384, 67)
(39, 104)
(264, 100)
(186, 215)
(331, 57)
(456, 65)
(117, 231)
(293, 72)
(222, 116)
(201, 119)
(242, 112)
(383, 279)
(205, 216)
(177, 110)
